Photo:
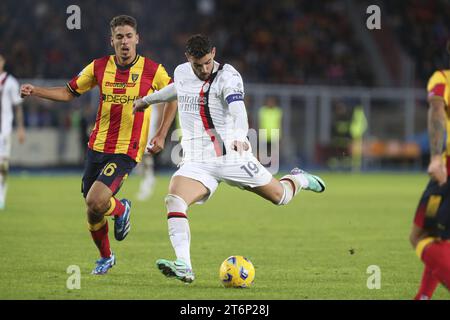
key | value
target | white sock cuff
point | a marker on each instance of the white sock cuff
(295, 185)
(175, 203)
(283, 197)
(288, 192)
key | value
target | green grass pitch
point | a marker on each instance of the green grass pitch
(317, 247)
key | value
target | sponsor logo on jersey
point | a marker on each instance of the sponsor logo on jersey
(190, 103)
(120, 85)
(191, 99)
(119, 98)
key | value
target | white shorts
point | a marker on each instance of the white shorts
(245, 172)
(5, 147)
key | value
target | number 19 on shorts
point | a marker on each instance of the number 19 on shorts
(250, 168)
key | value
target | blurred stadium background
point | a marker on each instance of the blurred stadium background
(317, 59)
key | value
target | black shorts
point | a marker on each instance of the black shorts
(433, 211)
(111, 169)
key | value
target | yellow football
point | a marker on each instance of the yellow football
(237, 272)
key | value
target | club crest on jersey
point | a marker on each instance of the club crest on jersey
(206, 87)
(134, 77)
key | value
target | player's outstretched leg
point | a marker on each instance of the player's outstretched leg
(304, 180)
(281, 192)
(297, 180)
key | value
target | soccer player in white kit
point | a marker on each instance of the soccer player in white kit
(10, 101)
(214, 127)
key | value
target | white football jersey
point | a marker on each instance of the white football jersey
(9, 97)
(205, 120)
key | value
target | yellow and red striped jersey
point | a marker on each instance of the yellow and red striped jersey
(116, 129)
(439, 85)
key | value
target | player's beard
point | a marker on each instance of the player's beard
(203, 76)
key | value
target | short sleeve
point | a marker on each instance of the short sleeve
(233, 87)
(161, 79)
(437, 85)
(15, 92)
(84, 81)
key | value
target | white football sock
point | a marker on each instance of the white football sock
(178, 223)
(292, 184)
(288, 193)
(148, 178)
(3, 188)
(147, 182)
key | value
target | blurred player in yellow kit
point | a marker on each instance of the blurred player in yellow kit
(431, 230)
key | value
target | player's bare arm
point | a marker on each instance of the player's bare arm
(139, 105)
(158, 141)
(436, 130)
(166, 94)
(20, 123)
(55, 94)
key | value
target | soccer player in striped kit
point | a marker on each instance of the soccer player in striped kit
(119, 137)
(10, 102)
(430, 234)
(214, 127)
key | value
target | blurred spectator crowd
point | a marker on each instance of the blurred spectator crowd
(282, 42)
(295, 42)
(422, 27)
(289, 42)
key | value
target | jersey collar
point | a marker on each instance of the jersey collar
(128, 66)
(215, 69)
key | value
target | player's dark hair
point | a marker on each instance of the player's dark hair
(198, 46)
(123, 20)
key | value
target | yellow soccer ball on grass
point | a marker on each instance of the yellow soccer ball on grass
(237, 272)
